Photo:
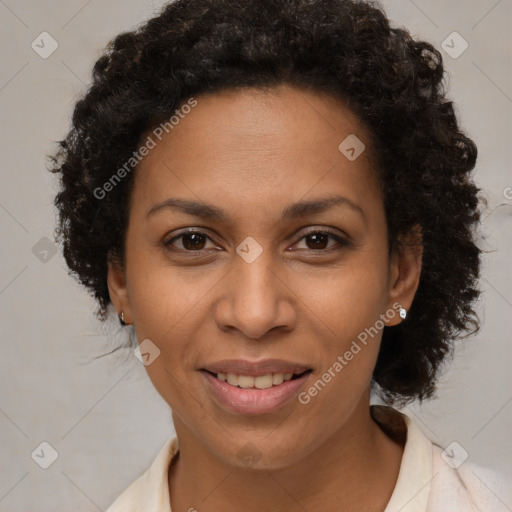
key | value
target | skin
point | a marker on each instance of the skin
(253, 153)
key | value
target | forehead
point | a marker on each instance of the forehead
(243, 147)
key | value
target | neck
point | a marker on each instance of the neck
(355, 469)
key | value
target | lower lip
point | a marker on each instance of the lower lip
(253, 400)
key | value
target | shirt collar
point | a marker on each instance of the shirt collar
(412, 488)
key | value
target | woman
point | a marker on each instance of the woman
(276, 197)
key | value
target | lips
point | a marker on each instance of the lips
(256, 369)
(245, 387)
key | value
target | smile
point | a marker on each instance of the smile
(260, 382)
(252, 395)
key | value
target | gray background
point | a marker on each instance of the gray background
(103, 416)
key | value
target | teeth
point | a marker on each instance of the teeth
(245, 381)
(263, 381)
(232, 379)
(260, 382)
(277, 378)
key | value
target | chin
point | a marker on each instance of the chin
(264, 454)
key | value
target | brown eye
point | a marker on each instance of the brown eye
(193, 241)
(190, 241)
(318, 241)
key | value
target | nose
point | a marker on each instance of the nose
(255, 299)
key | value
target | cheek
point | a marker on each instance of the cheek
(165, 298)
(347, 344)
(348, 322)
(347, 299)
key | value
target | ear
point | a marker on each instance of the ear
(404, 273)
(117, 289)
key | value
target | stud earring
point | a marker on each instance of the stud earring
(121, 318)
(402, 313)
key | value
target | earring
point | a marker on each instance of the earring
(402, 313)
(121, 318)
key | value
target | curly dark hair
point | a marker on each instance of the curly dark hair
(346, 48)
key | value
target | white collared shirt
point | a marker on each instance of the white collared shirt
(428, 480)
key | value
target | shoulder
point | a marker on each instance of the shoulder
(459, 484)
(437, 479)
(149, 492)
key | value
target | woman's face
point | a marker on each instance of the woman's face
(289, 273)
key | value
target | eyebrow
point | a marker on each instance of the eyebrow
(291, 212)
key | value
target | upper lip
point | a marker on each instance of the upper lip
(255, 368)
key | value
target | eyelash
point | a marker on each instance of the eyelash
(340, 240)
